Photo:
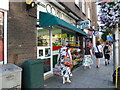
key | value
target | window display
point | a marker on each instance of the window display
(43, 37)
(57, 37)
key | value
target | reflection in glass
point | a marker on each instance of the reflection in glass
(47, 65)
(1, 36)
(40, 52)
(47, 52)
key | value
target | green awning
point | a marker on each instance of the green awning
(47, 19)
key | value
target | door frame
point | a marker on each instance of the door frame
(51, 56)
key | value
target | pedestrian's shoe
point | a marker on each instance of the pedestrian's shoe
(64, 80)
(84, 67)
(105, 63)
(97, 66)
(89, 66)
(68, 81)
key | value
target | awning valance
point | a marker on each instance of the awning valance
(47, 19)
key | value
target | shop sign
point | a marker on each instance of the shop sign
(4, 5)
(109, 37)
(96, 33)
(84, 24)
(46, 7)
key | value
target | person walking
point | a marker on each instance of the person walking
(87, 61)
(107, 52)
(98, 50)
(65, 71)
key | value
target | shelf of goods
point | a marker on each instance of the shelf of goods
(77, 57)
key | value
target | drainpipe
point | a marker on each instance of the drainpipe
(116, 57)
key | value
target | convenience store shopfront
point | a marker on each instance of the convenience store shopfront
(52, 31)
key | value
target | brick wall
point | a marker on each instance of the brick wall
(21, 33)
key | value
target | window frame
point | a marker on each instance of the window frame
(83, 6)
(77, 3)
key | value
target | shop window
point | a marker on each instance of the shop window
(43, 37)
(1, 36)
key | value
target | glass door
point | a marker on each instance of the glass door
(44, 49)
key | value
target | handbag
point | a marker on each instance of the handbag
(99, 54)
(57, 69)
(67, 61)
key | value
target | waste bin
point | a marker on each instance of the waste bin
(33, 74)
(118, 77)
(10, 76)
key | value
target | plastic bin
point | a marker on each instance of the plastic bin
(33, 74)
(10, 76)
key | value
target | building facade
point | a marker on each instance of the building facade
(37, 33)
(21, 33)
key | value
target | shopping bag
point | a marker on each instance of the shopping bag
(67, 61)
(57, 69)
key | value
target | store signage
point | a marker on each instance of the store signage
(109, 37)
(4, 5)
(46, 7)
(84, 24)
(50, 9)
(96, 33)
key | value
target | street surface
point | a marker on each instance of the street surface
(89, 78)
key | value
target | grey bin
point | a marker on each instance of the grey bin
(33, 74)
(10, 76)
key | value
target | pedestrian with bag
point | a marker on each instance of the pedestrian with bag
(98, 50)
(107, 52)
(87, 61)
(64, 55)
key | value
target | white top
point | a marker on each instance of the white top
(99, 47)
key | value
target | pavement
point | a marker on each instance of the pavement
(89, 78)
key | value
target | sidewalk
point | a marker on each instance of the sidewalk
(89, 78)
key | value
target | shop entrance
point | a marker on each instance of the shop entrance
(44, 48)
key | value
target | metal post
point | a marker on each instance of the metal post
(116, 48)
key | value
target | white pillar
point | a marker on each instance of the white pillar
(94, 41)
(5, 38)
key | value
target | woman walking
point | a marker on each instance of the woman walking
(107, 52)
(87, 62)
(66, 72)
(98, 49)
